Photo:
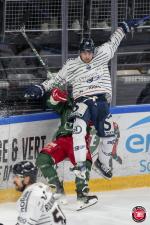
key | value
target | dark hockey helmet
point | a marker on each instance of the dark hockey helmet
(25, 168)
(87, 44)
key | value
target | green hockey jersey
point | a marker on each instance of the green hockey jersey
(64, 109)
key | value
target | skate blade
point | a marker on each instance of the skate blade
(82, 205)
(100, 173)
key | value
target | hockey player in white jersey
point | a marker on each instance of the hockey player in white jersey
(36, 204)
(90, 79)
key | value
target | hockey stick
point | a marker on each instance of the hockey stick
(24, 20)
(140, 22)
(86, 19)
(143, 20)
(22, 30)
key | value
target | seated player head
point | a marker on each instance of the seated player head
(24, 174)
(87, 50)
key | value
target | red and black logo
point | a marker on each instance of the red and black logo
(138, 214)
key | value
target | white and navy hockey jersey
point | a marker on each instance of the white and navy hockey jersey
(37, 206)
(92, 78)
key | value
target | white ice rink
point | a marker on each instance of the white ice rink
(113, 208)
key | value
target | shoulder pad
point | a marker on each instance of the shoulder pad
(69, 60)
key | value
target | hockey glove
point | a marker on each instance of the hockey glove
(34, 92)
(129, 24)
(59, 95)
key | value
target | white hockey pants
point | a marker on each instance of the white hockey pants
(79, 143)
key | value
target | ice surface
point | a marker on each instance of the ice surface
(113, 208)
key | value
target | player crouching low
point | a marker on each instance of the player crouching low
(36, 204)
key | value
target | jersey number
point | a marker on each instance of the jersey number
(57, 217)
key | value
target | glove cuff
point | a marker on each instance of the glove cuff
(125, 27)
(53, 101)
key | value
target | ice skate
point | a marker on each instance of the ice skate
(85, 201)
(101, 169)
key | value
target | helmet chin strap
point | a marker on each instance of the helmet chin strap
(23, 184)
(23, 187)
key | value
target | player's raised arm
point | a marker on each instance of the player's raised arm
(112, 45)
(124, 27)
(128, 25)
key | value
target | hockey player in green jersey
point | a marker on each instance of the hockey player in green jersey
(61, 148)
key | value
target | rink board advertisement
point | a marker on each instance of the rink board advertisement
(22, 137)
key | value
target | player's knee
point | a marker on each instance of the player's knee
(44, 160)
(88, 165)
(106, 128)
(80, 110)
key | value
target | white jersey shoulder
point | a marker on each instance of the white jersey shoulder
(36, 191)
(71, 64)
(70, 60)
(36, 206)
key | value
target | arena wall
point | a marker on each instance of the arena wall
(22, 136)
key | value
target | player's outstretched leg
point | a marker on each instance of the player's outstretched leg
(46, 164)
(102, 164)
(84, 199)
(102, 169)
